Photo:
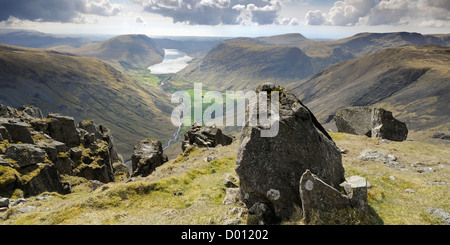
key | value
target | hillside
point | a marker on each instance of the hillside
(84, 88)
(413, 82)
(190, 191)
(240, 65)
(125, 51)
(332, 52)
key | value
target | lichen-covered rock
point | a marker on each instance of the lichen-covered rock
(270, 168)
(44, 178)
(25, 154)
(146, 157)
(205, 136)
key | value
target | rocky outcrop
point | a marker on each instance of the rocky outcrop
(147, 156)
(204, 136)
(270, 168)
(36, 151)
(372, 122)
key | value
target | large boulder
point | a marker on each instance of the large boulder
(385, 126)
(372, 122)
(270, 168)
(205, 136)
(146, 157)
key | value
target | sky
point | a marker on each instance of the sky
(227, 18)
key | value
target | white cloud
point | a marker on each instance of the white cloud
(217, 12)
(383, 12)
(315, 17)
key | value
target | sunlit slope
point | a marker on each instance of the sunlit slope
(413, 82)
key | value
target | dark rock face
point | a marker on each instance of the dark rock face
(385, 126)
(372, 122)
(47, 179)
(63, 129)
(270, 168)
(204, 136)
(147, 156)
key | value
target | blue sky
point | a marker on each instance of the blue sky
(314, 19)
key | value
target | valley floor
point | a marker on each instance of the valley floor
(189, 190)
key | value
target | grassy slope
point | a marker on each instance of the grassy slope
(85, 88)
(151, 200)
(413, 82)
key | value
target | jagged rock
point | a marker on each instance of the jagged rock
(372, 122)
(204, 136)
(99, 132)
(146, 157)
(25, 154)
(46, 179)
(8, 112)
(277, 163)
(320, 200)
(62, 128)
(18, 131)
(31, 111)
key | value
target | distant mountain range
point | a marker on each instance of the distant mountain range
(234, 64)
(84, 87)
